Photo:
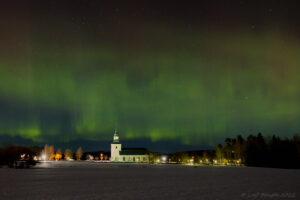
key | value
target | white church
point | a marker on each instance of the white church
(129, 154)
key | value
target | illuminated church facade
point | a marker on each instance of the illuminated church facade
(127, 154)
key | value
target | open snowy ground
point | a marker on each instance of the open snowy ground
(91, 180)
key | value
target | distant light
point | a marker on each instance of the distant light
(164, 158)
(44, 157)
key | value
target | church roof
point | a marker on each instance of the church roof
(134, 151)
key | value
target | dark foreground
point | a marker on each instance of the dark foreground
(89, 180)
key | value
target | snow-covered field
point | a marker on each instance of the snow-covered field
(91, 180)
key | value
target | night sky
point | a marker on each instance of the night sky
(168, 74)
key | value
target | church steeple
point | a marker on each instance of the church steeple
(116, 137)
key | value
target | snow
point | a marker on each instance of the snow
(95, 180)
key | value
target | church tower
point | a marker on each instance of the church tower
(116, 147)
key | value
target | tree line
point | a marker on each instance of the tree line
(49, 153)
(256, 150)
(193, 157)
(11, 155)
(14, 155)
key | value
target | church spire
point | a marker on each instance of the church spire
(116, 137)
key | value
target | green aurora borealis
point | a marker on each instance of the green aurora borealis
(68, 75)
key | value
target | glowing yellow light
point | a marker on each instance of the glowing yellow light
(164, 158)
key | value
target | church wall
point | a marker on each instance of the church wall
(134, 158)
(115, 151)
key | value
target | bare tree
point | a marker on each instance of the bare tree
(68, 154)
(51, 152)
(79, 153)
(58, 154)
(205, 157)
(219, 153)
(48, 152)
(45, 152)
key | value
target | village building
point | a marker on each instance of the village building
(127, 154)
